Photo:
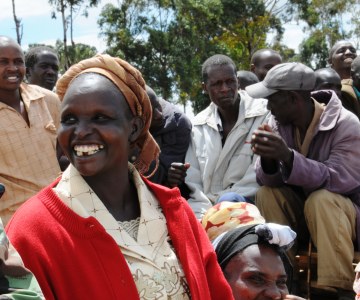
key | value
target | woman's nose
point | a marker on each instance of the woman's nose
(83, 129)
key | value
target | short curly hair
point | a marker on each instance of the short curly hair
(31, 56)
(216, 60)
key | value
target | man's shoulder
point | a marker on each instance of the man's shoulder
(203, 117)
(37, 92)
(175, 114)
(253, 107)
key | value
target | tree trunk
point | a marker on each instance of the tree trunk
(65, 27)
(18, 25)
(71, 26)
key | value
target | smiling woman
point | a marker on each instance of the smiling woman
(102, 219)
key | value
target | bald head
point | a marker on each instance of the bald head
(246, 78)
(12, 67)
(263, 60)
(328, 79)
(6, 41)
(341, 56)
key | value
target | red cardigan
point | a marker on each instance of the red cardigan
(74, 258)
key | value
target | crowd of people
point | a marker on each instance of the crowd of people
(112, 192)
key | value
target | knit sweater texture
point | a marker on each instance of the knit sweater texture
(74, 258)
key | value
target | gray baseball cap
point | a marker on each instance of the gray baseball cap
(284, 77)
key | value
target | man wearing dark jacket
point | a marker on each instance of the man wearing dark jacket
(171, 129)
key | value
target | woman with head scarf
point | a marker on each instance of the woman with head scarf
(102, 230)
(250, 252)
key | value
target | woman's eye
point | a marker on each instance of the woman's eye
(68, 120)
(258, 280)
(101, 118)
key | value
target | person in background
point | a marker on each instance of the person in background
(42, 66)
(308, 167)
(355, 76)
(263, 60)
(171, 129)
(246, 78)
(220, 156)
(341, 56)
(329, 79)
(29, 118)
(250, 252)
(102, 230)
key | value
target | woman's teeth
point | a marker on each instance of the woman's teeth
(85, 150)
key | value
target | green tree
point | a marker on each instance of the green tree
(169, 40)
(75, 53)
(68, 9)
(325, 25)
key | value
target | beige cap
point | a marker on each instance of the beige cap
(284, 77)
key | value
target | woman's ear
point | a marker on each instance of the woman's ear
(137, 125)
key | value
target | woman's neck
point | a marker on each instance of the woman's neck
(119, 195)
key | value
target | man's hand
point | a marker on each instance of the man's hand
(177, 174)
(269, 145)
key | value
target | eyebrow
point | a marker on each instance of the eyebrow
(257, 272)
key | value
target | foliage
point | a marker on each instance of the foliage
(69, 8)
(169, 40)
(325, 21)
(75, 54)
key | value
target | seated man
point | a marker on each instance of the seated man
(220, 156)
(171, 129)
(329, 79)
(263, 60)
(42, 66)
(309, 167)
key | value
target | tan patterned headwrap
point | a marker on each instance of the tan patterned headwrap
(225, 216)
(132, 85)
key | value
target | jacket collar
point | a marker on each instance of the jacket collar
(248, 107)
(332, 110)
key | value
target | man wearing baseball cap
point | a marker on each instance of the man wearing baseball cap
(309, 168)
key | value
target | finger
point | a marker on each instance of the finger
(265, 150)
(267, 128)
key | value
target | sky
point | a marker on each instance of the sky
(39, 27)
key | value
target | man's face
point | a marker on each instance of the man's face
(343, 56)
(222, 85)
(157, 120)
(45, 72)
(281, 106)
(257, 273)
(264, 63)
(355, 74)
(12, 66)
